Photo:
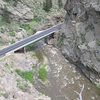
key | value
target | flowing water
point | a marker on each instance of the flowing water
(64, 81)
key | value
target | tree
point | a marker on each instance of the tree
(47, 5)
(13, 1)
(7, 0)
(5, 16)
(60, 4)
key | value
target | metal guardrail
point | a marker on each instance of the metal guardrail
(29, 40)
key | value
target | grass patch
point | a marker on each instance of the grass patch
(8, 68)
(29, 28)
(27, 75)
(34, 23)
(60, 40)
(30, 25)
(12, 33)
(25, 26)
(39, 55)
(43, 73)
(2, 22)
(12, 41)
(13, 26)
(4, 94)
(30, 47)
(21, 85)
(98, 86)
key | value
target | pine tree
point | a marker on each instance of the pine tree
(47, 5)
(13, 1)
(60, 4)
(5, 16)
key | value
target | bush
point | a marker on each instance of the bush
(12, 41)
(12, 33)
(30, 26)
(98, 85)
(25, 26)
(31, 47)
(5, 15)
(21, 85)
(47, 5)
(27, 75)
(60, 4)
(43, 73)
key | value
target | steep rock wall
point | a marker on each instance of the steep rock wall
(82, 36)
(26, 10)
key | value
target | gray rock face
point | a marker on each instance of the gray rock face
(18, 12)
(82, 35)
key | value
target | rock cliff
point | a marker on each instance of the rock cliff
(82, 36)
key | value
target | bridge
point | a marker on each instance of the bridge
(31, 39)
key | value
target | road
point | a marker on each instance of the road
(29, 40)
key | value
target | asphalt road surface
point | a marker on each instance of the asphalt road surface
(29, 40)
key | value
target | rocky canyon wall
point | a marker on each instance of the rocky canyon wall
(82, 35)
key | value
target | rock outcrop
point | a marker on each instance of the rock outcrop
(82, 36)
(25, 10)
(17, 11)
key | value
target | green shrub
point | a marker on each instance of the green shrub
(47, 5)
(43, 73)
(30, 47)
(13, 26)
(14, 2)
(39, 55)
(8, 68)
(21, 85)
(5, 15)
(25, 26)
(60, 4)
(29, 27)
(12, 33)
(2, 22)
(34, 22)
(98, 86)
(12, 41)
(27, 75)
